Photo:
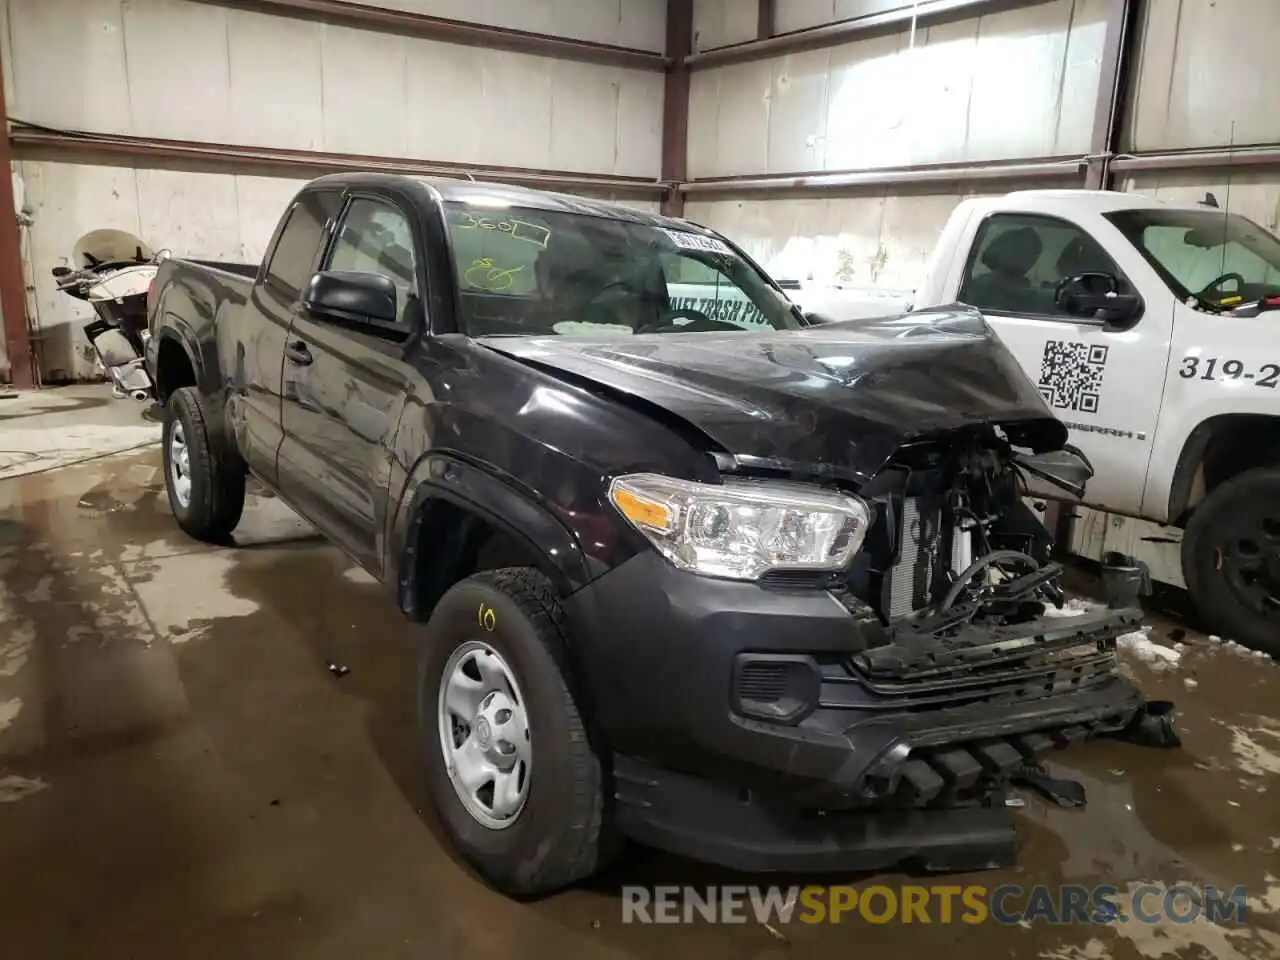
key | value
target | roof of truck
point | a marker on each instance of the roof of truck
(501, 195)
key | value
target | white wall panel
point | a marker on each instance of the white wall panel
(275, 101)
(1204, 66)
(802, 14)
(1012, 84)
(875, 240)
(204, 215)
(640, 24)
(110, 66)
(720, 23)
(219, 216)
(1255, 195)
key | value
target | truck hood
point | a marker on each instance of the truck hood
(837, 399)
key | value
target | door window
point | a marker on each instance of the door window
(293, 258)
(375, 238)
(1020, 259)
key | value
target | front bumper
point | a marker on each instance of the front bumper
(678, 668)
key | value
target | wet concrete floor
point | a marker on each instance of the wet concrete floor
(182, 776)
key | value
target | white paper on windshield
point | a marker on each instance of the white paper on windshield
(585, 328)
(696, 241)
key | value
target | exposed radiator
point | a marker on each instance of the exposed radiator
(910, 579)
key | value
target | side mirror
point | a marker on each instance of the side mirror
(60, 272)
(1097, 296)
(811, 316)
(366, 299)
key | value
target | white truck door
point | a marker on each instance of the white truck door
(1104, 383)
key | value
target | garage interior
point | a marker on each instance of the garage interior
(212, 750)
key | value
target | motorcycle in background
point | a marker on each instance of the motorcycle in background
(113, 273)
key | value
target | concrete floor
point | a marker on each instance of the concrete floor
(180, 775)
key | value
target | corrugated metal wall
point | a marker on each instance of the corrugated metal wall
(189, 71)
(1013, 84)
(879, 239)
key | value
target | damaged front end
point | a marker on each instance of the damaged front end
(979, 667)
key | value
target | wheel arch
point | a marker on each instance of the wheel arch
(1217, 449)
(472, 520)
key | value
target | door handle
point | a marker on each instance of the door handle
(297, 353)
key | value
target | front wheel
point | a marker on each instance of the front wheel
(205, 494)
(512, 772)
(1231, 559)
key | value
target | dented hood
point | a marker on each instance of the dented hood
(837, 399)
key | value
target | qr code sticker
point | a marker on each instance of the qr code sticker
(1071, 375)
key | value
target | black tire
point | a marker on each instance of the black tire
(560, 836)
(1245, 508)
(217, 488)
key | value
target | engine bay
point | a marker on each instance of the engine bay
(953, 543)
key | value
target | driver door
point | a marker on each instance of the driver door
(1104, 384)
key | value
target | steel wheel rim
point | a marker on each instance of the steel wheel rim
(1248, 554)
(484, 735)
(179, 464)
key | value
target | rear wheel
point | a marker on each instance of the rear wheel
(205, 495)
(1231, 559)
(513, 775)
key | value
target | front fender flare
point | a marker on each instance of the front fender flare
(500, 503)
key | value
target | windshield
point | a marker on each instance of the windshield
(1221, 260)
(539, 273)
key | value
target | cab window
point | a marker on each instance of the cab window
(293, 257)
(1217, 259)
(375, 237)
(1019, 260)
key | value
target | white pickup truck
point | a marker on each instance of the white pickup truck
(1150, 330)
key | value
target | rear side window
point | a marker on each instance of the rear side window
(294, 256)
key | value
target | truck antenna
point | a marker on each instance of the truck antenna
(1226, 200)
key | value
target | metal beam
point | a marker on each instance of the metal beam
(403, 23)
(767, 20)
(1113, 91)
(1049, 168)
(675, 104)
(13, 289)
(1267, 155)
(925, 12)
(39, 143)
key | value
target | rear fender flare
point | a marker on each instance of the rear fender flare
(501, 504)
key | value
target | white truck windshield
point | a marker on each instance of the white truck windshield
(1219, 259)
(540, 273)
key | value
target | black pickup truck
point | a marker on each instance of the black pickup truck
(724, 581)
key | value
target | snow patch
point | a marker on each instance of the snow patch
(16, 647)
(1074, 607)
(1257, 750)
(14, 788)
(357, 575)
(9, 710)
(1141, 646)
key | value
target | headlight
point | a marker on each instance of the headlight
(742, 529)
